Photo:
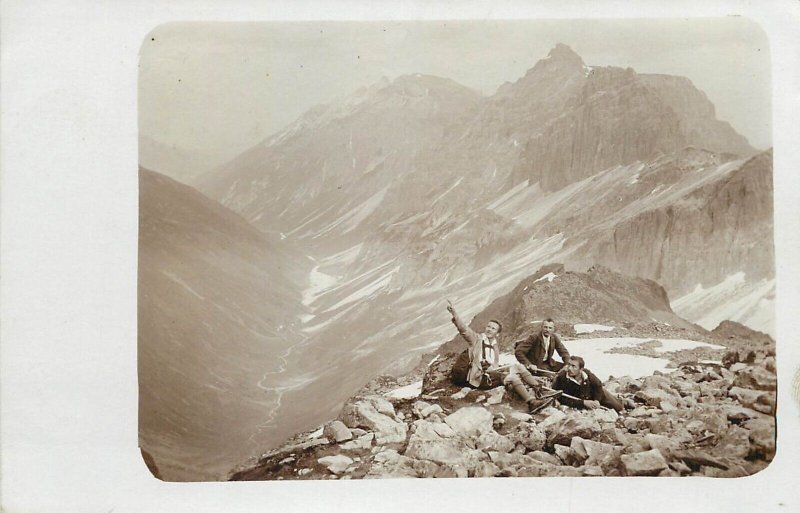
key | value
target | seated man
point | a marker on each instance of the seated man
(584, 388)
(484, 358)
(536, 351)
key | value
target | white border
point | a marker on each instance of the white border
(69, 244)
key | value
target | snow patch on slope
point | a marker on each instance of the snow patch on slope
(605, 365)
(591, 328)
(751, 304)
(549, 277)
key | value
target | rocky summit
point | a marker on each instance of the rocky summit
(709, 412)
(700, 419)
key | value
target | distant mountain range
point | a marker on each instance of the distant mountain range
(418, 189)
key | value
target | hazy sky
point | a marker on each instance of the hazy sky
(222, 87)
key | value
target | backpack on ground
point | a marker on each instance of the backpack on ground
(460, 369)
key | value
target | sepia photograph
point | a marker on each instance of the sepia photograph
(456, 249)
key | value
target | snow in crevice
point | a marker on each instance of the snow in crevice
(591, 328)
(182, 283)
(547, 277)
(442, 195)
(367, 290)
(318, 284)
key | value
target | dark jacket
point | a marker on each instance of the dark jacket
(531, 350)
(590, 389)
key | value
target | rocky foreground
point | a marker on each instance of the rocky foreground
(707, 418)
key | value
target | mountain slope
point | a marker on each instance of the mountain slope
(218, 308)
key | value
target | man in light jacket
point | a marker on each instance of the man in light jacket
(485, 357)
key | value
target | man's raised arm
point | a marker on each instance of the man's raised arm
(468, 333)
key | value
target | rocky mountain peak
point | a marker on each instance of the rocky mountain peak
(564, 53)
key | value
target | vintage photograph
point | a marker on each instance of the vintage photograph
(456, 249)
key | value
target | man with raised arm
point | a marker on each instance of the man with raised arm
(484, 358)
(536, 351)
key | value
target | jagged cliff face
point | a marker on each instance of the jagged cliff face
(730, 218)
(415, 190)
(217, 307)
(619, 116)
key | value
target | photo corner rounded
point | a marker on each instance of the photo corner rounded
(151, 465)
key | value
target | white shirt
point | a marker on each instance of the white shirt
(546, 343)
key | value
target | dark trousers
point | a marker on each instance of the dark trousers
(611, 401)
(552, 365)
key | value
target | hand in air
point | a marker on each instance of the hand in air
(450, 307)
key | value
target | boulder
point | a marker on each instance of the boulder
(633, 424)
(461, 394)
(552, 418)
(747, 397)
(336, 430)
(624, 385)
(680, 467)
(443, 430)
(544, 457)
(452, 451)
(486, 469)
(521, 417)
(654, 396)
(431, 409)
(496, 395)
(425, 468)
(418, 407)
(641, 411)
(426, 430)
(659, 424)
(364, 413)
(604, 415)
(336, 464)
(446, 471)
(390, 464)
(360, 443)
(592, 471)
(762, 438)
(735, 443)
(738, 414)
(470, 421)
(381, 404)
(529, 435)
(661, 443)
(757, 378)
(597, 452)
(565, 454)
(648, 463)
(696, 458)
(578, 450)
(657, 381)
(574, 425)
(668, 406)
(738, 367)
(493, 441)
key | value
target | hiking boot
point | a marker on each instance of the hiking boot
(536, 405)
